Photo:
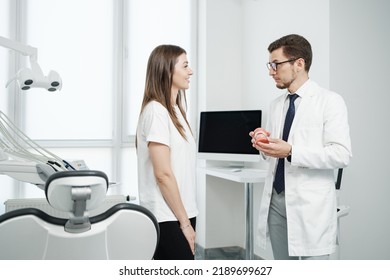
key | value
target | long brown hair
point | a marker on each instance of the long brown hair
(158, 84)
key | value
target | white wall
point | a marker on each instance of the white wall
(359, 63)
(266, 21)
(224, 56)
(350, 44)
(219, 78)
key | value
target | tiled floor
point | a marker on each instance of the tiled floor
(226, 253)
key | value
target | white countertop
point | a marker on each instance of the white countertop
(241, 175)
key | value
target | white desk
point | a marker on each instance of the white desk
(248, 177)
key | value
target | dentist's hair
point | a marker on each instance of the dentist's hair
(294, 46)
(158, 84)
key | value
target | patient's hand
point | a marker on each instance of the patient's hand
(190, 235)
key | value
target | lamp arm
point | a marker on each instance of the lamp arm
(19, 47)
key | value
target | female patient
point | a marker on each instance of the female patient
(166, 153)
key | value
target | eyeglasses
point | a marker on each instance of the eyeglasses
(274, 65)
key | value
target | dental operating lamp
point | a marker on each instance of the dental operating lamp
(31, 77)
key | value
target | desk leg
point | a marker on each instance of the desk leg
(249, 221)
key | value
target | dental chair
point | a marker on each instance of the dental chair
(124, 232)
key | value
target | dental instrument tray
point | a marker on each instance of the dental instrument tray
(23, 159)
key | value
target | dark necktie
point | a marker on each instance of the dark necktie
(279, 174)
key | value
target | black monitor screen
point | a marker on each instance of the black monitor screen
(228, 131)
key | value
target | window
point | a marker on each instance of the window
(81, 49)
(4, 11)
(5, 192)
(169, 22)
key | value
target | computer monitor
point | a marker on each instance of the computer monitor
(224, 135)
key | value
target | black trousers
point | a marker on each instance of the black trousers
(172, 244)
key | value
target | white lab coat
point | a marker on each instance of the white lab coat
(320, 143)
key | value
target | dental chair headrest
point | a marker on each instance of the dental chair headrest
(61, 187)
